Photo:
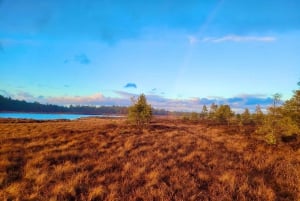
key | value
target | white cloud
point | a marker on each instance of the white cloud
(77, 100)
(21, 95)
(232, 38)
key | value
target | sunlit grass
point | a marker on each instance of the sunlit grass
(104, 159)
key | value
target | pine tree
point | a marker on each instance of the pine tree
(291, 108)
(140, 113)
(281, 121)
(223, 114)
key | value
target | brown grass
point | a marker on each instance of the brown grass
(107, 159)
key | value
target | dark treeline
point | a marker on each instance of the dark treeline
(11, 105)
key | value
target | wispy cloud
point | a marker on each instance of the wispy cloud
(232, 38)
(130, 85)
(235, 38)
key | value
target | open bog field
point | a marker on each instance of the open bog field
(108, 159)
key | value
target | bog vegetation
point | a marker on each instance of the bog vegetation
(212, 155)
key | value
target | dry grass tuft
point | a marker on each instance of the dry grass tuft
(97, 193)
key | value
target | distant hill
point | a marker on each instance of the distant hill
(12, 105)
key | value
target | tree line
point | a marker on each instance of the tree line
(8, 104)
(280, 121)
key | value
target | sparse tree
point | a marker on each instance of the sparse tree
(140, 112)
(275, 118)
(223, 114)
(276, 100)
(258, 116)
(204, 112)
(212, 111)
(246, 117)
(269, 127)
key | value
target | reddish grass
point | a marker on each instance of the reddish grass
(107, 159)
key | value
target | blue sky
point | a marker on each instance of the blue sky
(181, 54)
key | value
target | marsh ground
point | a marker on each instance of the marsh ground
(108, 159)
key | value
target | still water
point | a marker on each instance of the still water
(39, 116)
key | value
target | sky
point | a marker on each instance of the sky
(181, 54)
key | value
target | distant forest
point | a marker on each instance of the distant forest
(12, 105)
